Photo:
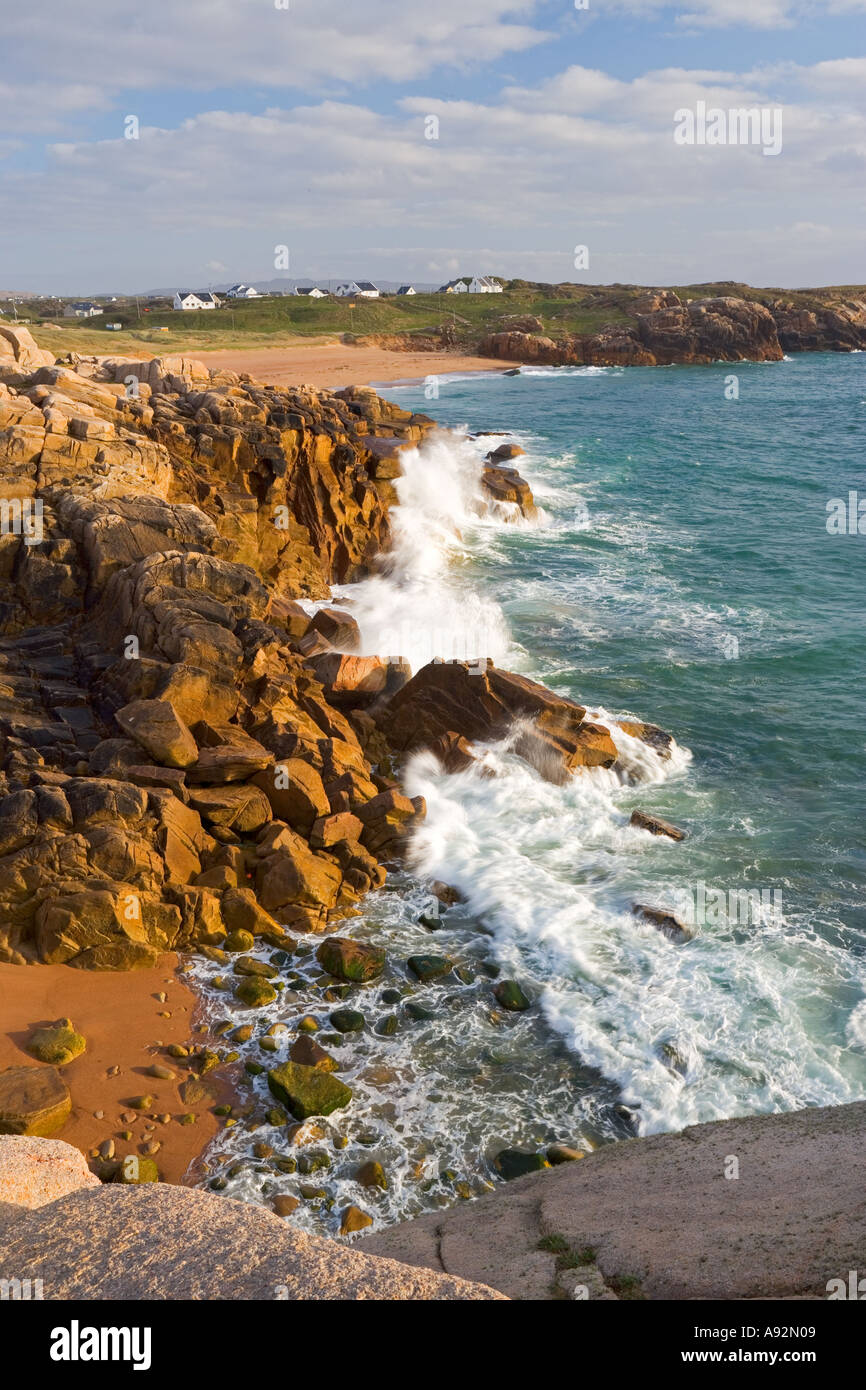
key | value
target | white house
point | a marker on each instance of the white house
(242, 292)
(82, 310)
(201, 299)
(484, 284)
(311, 291)
(360, 289)
(478, 284)
(406, 289)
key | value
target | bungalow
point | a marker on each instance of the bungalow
(83, 310)
(311, 291)
(362, 289)
(201, 299)
(242, 292)
(406, 289)
(484, 284)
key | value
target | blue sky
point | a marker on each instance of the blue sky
(306, 127)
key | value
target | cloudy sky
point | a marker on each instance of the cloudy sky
(305, 123)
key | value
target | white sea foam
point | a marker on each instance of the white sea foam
(421, 605)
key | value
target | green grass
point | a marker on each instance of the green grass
(272, 322)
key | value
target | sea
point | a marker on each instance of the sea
(688, 568)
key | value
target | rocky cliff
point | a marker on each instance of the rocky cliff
(186, 751)
(667, 329)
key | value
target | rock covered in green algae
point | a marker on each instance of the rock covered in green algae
(429, 967)
(351, 960)
(511, 996)
(307, 1091)
(57, 1044)
(514, 1163)
(347, 1020)
(255, 992)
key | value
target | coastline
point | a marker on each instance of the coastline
(125, 1026)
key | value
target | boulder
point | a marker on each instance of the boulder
(506, 485)
(36, 1171)
(427, 968)
(667, 922)
(480, 702)
(353, 1220)
(655, 825)
(157, 726)
(243, 809)
(514, 1163)
(509, 994)
(33, 1100)
(307, 1091)
(355, 961)
(57, 1044)
(296, 793)
(338, 628)
(308, 1053)
(350, 681)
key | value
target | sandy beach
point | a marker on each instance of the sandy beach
(334, 364)
(126, 1026)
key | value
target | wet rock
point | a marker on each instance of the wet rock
(133, 1170)
(33, 1100)
(650, 734)
(511, 996)
(655, 825)
(563, 1153)
(350, 960)
(284, 1205)
(514, 1163)
(427, 968)
(308, 1053)
(307, 1091)
(240, 940)
(354, 1220)
(338, 628)
(667, 922)
(255, 993)
(347, 1020)
(57, 1044)
(480, 702)
(372, 1174)
(249, 965)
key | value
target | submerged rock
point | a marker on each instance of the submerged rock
(667, 922)
(511, 996)
(656, 826)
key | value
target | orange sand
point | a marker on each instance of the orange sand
(334, 364)
(118, 1014)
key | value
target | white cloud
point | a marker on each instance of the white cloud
(582, 157)
(721, 14)
(193, 45)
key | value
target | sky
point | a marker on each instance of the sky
(422, 139)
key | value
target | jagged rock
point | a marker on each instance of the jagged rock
(338, 628)
(504, 452)
(655, 825)
(667, 922)
(480, 702)
(506, 485)
(226, 754)
(650, 734)
(33, 1100)
(241, 912)
(291, 875)
(350, 681)
(296, 793)
(157, 726)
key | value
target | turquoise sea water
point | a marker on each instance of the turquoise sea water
(681, 572)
